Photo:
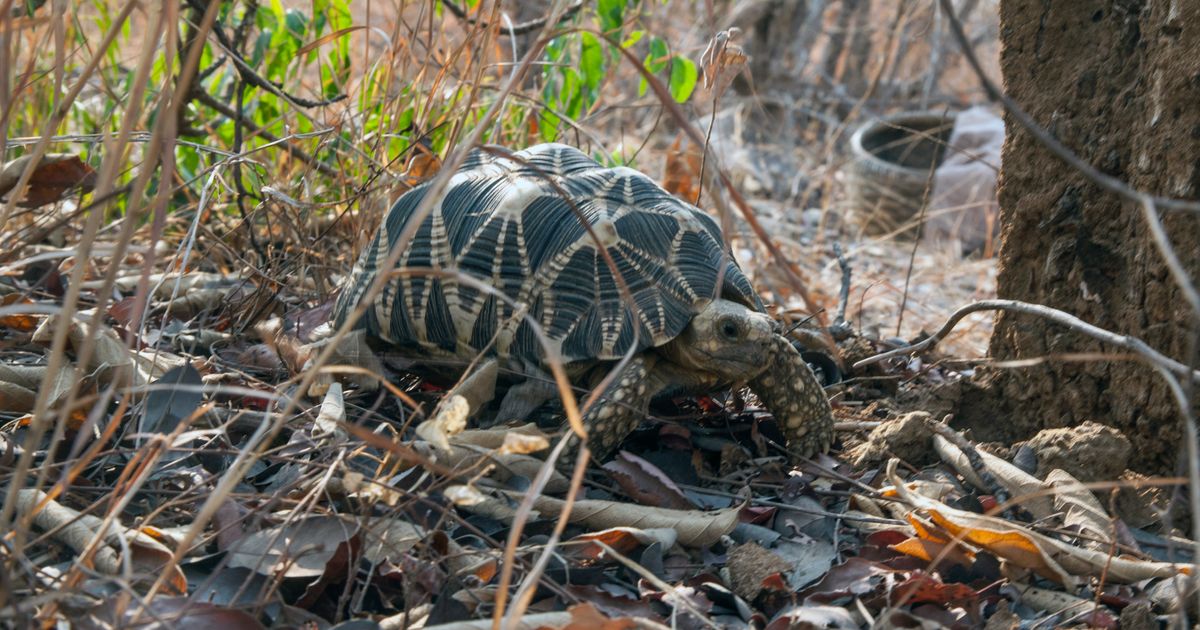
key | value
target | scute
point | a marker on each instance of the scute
(504, 222)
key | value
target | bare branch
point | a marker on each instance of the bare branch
(1133, 344)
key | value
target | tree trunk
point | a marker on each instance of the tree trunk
(1117, 81)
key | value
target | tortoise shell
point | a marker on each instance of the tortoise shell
(516, 224)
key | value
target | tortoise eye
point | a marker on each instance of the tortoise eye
(729, 329)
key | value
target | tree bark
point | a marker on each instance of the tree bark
(1118, 81)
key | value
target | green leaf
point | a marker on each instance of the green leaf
(548, 125)
(659, 54)
(570, 97)
(611, 13)
(634, 38)
(297, 24)
(683, 78)
(591, 61)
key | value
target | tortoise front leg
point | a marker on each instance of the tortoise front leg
(790, 391)
(617, 412)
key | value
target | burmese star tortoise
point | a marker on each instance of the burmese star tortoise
(530, 229)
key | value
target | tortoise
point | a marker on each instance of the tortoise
(528, 227)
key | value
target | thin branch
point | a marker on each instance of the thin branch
(1064, 318)
(210, 101)
(252, 77)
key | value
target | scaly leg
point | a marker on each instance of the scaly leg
(617, 412)
(790, 391)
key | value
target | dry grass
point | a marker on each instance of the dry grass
(340, 111)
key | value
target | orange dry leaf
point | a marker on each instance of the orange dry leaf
(682, 174)
(1013, 546)
(22, 322)
(930, 551)
(421, 165)
(623, 540)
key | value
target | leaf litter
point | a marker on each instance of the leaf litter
(376, 502)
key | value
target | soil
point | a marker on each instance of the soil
(1090, 451)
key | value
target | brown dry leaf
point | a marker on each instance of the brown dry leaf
(521, 444)
(695, 528)
(390, 539)
(1026, 489)
(464, 495)
(17, 399)
(645, 483)
(586, 617)
(110, 357)
(921, 588)
(21, 384)
(722, 61)
(504, 466)
(682, 175)
(1015, 546)
(929, 550)
(420, 166)
(54, 175)
(1081, 510)
(303, 548)
(331, 415)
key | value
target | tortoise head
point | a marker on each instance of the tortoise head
(726, 338)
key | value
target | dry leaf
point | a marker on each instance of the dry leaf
(522, 444)
(586, 617)
(54, 175)
(450, 419)
(1081, 510)
(464, 496)
(76, 530)
(645, 483)
(1047, 556)
(682, 175)
(624, 540)
(21, 322)
(505, 466)
(303, 548)
(1023, 487)
(332, 414)
(695, 528)
(495, 439)
(722, 61)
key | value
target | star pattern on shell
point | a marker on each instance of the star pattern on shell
(533, 227)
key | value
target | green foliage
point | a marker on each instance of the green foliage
(304, 50)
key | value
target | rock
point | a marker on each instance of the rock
(908, 438)
(1138, 616)
(1140, 501)
(1089, 451)
(749, 565)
